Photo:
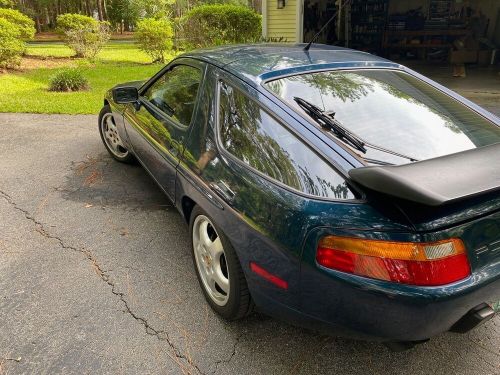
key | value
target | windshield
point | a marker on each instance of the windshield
(393, 110)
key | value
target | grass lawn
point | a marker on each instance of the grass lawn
(26, 91)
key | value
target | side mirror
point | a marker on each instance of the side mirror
(125, 94)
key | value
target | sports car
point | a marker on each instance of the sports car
(326, 186)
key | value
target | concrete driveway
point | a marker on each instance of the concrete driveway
(96, 277)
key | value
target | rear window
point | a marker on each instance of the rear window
(393, 110)
(260, 141)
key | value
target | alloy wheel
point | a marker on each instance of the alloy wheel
(211, 260)
(111, 136)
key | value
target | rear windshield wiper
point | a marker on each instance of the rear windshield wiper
(326, 119)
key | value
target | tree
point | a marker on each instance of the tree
(156, 8)
(127, 11)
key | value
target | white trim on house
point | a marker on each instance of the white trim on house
(264, 18)
(299, 21)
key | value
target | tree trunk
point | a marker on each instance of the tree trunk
(37, 24)
(89, 8)
(104, 10)
(99, 10)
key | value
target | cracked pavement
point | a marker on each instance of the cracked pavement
(96, 277)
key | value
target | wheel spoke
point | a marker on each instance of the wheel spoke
(109, 122)
(199, 250)
(216, 248)
(113, 144)
(220, 279)
(205, 240)
(119, 142)
(211, 283)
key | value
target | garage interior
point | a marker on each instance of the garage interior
(462, 35)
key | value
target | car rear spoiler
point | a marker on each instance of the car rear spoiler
(438, 181)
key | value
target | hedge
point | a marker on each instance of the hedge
(208, 25)
(25, 25)
(71, 21)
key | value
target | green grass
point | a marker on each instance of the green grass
(28, 91)
(49, 49)
(115, 51)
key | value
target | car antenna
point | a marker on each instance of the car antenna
(306, 48)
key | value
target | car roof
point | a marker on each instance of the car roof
(256, 62)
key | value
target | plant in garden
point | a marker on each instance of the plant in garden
(217, 24)
(84, 35)
(25, 24)
(88, 42)
(11, 46)
(71, 21)
(154, 36)
(70, 79)
(15, 27)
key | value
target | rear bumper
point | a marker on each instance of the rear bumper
(361, 308)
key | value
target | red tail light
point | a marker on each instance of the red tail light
(427, 264)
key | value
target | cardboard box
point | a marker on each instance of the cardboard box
(463, 56)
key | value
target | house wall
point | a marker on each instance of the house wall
(280, 22)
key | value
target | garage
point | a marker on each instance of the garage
(449, 32)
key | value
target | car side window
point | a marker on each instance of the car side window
(175, 93)
(252, 135)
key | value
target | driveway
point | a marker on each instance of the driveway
(96, 276)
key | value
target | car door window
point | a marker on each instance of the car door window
(175, 93)
(259, 140)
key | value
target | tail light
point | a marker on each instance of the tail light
(431, 263)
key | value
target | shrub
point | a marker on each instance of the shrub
(11, 46)
(71, 21)
(217, 24)
(14, 27)
(88, 42)
(25, 24)
(154, 37)
(83, 34)
(68, 80)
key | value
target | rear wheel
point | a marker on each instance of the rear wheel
(111, 138)
(218, 268)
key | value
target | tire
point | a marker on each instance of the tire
(111, 138)
(237, 302)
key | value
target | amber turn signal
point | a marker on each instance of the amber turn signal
(426, 264)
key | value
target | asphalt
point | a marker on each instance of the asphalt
(96, 277)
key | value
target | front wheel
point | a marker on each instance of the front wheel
(218, 268)
(111, 138)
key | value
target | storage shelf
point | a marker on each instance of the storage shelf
(396, 33)
(421, 45)
(368, 20)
